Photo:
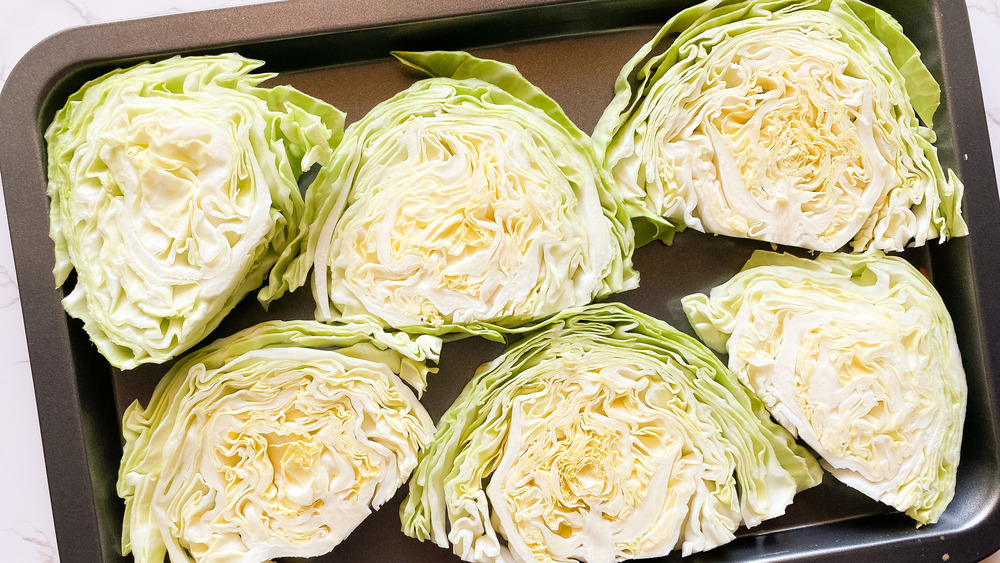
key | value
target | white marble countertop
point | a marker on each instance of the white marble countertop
(26, 531)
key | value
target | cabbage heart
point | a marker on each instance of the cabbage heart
(788, 122)
(603, 435)
(855, 354)
(173, 191)
(467, 202)
(275, 442)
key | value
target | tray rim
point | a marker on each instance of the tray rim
(52, 358)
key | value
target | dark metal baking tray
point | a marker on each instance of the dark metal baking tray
(573, 50)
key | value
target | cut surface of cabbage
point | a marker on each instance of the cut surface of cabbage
(275, 442)
(792, 122)
(856, 355)
(173, 190)
(603, 435)
(466, 202)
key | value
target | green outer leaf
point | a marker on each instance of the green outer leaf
(470, 436)
(332, 190)
(920, 85)
(459, 65)
(350, 338)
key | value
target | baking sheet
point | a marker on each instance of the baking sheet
(573, 51)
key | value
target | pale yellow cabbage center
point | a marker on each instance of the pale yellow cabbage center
(464, 220)
(856, 380)
(285, 457)
(182, 212)
(777, 137)
(611, 462)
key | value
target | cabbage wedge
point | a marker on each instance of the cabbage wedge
(603, 435)
(468, 202)
(856, 355)
(796, 122)
(277, 441)
(173, 190)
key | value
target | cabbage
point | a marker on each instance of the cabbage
(855, 354)
(465, 202)
(604, 434)
(173, 190)
(793, 122)
(276, 441)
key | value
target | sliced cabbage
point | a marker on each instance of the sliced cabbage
(173, 192)
(793, 122)
(277, 441)
(855, 354)
(604, 434)
(466, 202)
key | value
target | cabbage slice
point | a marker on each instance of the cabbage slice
(468, 202)
(173, 191)
(276, 441)
(855, 354)
(604, 434)
(785, 121)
